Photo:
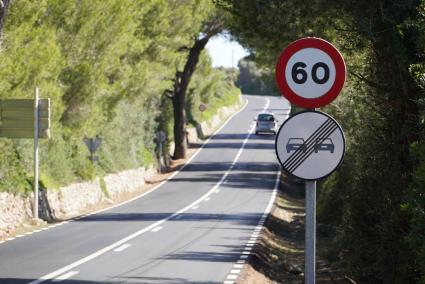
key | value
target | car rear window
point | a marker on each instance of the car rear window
(265, 117)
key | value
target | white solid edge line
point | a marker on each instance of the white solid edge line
(121, 248)
(178, 171)
(154, 230)
(65, 276)
(150, 227)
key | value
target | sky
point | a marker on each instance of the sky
(220, 48)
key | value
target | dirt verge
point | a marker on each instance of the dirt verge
(278, 256)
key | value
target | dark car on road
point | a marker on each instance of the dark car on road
(294, 144)
(324, 144)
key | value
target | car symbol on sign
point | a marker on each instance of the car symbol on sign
(324, 144)
(294, 144)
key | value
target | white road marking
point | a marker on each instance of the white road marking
(121, 248)
(65, 276)
(156, 229)
(195, 207)
(207, 199)
(217, 191)
(245, 254)
(150, 227)
(228, 282)
(19, 236)
(235, 271)
(232, 277)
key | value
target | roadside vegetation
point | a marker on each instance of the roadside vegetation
(254, 79)
(107, 66)
(374, 205)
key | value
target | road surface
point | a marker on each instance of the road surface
(197, 227)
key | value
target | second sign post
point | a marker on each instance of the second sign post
(310, 145)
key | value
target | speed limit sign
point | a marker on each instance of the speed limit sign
(310, 72)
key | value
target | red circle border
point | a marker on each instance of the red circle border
(326, 47)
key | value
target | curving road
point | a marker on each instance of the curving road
(197, 227)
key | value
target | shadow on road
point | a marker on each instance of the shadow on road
(248, 219)
(127, 280)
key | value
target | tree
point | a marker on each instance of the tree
(379, 109)
(212, 26)
(4, 4)
(255, 80)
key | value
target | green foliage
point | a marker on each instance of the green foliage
(212, 87)
(105, 66)
(255, 80)
(381, 110)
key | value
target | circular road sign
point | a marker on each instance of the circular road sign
(161, 136)
(202, 107)
(310, 145)
(310, 72)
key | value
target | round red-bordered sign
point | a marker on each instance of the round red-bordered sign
(310, 72)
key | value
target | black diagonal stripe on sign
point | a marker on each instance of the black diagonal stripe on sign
(301, 149)
(307, 143)
(311, 149)
(313, 136)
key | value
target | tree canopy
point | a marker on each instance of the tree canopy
(374, 202)
(105, 65)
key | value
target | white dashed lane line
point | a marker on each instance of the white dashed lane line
(121, 248)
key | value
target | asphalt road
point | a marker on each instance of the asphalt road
(192, 229)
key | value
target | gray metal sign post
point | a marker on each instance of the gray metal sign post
(36, 121)
(161, 137)
(310, 232)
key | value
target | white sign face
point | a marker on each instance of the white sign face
(310, 73)
(310, 145)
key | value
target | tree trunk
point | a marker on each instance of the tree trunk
(181, 84)
(4, 4)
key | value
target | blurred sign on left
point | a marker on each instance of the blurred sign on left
(17, 118)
